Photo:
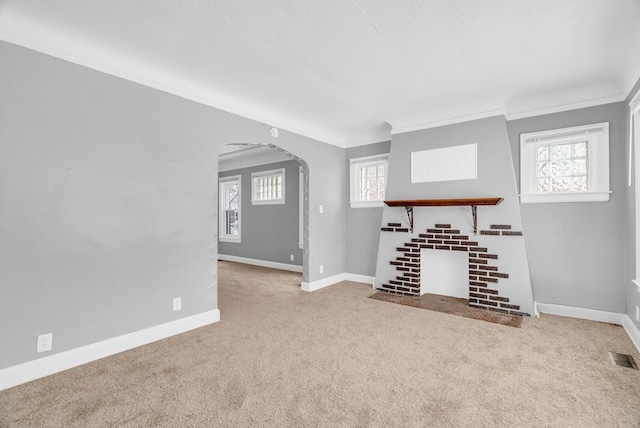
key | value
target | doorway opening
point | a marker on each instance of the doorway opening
(263, 207)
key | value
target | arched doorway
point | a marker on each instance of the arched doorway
(255, 225)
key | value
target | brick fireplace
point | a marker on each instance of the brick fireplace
(484, 266)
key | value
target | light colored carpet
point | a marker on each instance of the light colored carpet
(282, 357)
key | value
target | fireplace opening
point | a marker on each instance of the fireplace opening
(445, 273)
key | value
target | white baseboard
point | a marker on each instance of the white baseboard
(26, 372)
(359, 278)
(594, 315)
(325, 282)
(263, 263)
(582, 313)
(317, 285)
(632, 331)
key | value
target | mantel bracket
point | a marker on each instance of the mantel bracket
(474, 213)
(410, 215)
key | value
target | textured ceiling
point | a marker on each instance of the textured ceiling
(349, 72)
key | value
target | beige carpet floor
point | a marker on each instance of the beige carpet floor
(281, 357)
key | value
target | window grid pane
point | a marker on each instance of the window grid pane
(371, 182)
(562, 167)
(269, 187)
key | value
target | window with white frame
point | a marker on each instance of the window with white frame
(368, 180)
(230, 204)
(565, 165)
(268, 187)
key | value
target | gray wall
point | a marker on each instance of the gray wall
(576, 250)
(631, 290)
(108, 203)
(363, 224)
(495, 179)
(269, 232)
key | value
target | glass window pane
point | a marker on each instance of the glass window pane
(560, 168)
(543, 153)
(580, 184)
(543, 185)
(381, 170)
(542, 169)
(580, 167)
(561, 184)
(580, 149)
(561, 151)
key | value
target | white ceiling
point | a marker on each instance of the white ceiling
(349, 72)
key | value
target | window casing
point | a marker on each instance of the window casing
(633, 145)
(368, 181)
(230, 207)
(565, 165)
(267, 187)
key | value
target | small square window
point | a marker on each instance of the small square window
(268, 187)
(565, 165)
(368, 181)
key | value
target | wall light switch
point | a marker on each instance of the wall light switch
(177, 303)
(321, 209)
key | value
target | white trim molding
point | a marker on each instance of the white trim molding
(593, 315)
(325, 282)
(263, 263)
(36, 369)
(582, 313)
(353, 277)
(632, 331)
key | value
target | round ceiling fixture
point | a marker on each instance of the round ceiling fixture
(274, 132)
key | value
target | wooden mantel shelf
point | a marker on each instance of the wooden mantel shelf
(466, 202)
(444, 202)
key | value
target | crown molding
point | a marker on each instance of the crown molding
(444, 122)
(566, 107)
(245, 110)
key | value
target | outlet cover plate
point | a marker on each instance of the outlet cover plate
(45, 342)
(177, 303)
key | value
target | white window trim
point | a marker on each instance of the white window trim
(598, 136)
(254, 189)
(634, 139)
(300, 207)
(355, 183)
(222, 237)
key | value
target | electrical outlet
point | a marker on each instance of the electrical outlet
(45, 342)
(291, 257)
(321, 209)
(177, 303)
(638, 313)
(321, 269)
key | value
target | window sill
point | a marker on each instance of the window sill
(565, 197)
(366, 204)
(232, 240)
(271, 202)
